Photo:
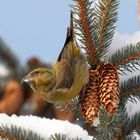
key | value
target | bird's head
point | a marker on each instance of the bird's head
(39, 78)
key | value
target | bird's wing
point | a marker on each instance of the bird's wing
(64, 74)
(80, 79)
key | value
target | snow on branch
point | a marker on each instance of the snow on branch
(45, 127)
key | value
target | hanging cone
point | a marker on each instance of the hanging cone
(90, 102)
(13, 98)
(109, 87)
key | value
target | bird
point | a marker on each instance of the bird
(66, 79)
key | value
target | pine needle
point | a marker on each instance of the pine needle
(130, 86)
(127, 59)
(8, 136)
(105, 19)
(7, 56)
(82, 10)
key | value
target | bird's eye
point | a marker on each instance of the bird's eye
(35, 72)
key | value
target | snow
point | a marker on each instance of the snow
(45, 127)
(3, 71)
(121, 40)
(135, 136)
(132, 107)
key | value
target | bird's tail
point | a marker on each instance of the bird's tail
(69, 38)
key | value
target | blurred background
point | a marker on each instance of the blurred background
(32, 33)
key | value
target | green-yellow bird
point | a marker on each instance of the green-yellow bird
(66, 79)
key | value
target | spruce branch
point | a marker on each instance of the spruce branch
(130, 123)
(130, 86)
(57, 137)
(130, 90)
(84, 11)
(6, 135)
(7, 56)
(105, 17)
(133, 136)
(110, 126)
(17, 133)
(61, 137)
(127, 59)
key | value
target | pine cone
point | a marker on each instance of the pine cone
(90, 103)
(109, 87)
(13, 98)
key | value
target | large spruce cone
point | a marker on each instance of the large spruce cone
(109, 87)
(90, 103)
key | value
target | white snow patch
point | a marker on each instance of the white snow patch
(45, 127)
(132, 107)
(3, 71)
(121, 40)
(135, 136)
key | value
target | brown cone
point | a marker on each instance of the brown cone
(13, 98)
(90, 103)
(109, 87)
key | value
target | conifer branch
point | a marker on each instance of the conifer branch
(17, 133)
(127, 59)
(82, 9)
(132, 91)
(105, 19)
(130, 87)
(7, 56)
(109, 126)
(130, 123)
(61, 137)
(8, 136)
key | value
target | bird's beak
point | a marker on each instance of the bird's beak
(26, 79)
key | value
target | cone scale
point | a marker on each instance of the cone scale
(109, 87)
(90, 103)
